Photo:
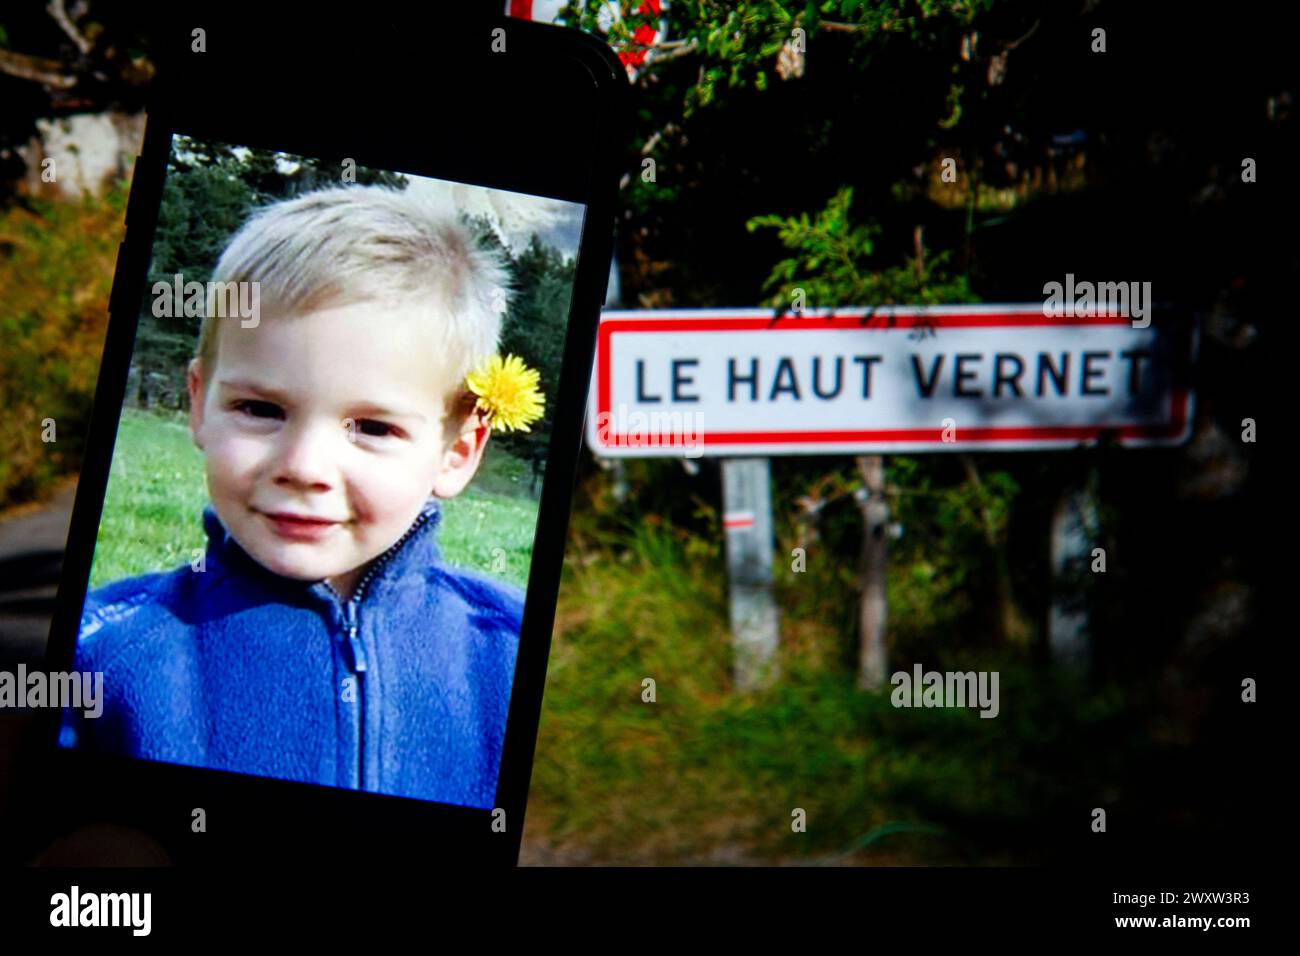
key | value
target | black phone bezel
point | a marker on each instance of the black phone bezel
(549, 119)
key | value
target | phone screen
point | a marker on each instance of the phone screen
(316, 538)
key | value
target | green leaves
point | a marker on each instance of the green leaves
(833, 263)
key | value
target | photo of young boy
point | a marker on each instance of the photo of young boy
(321, 636)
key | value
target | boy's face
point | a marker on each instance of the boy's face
(337, 416)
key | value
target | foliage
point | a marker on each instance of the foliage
(737, 44)
(56, 269)
(832, 264)
(703, 775)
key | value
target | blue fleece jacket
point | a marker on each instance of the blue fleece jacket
(402, 690)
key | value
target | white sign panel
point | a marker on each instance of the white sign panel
(900, 380)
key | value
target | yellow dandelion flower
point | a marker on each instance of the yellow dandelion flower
(507, 390)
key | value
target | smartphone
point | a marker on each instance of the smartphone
(316, 545)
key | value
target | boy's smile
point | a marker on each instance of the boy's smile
(300, 527)
(324, 435)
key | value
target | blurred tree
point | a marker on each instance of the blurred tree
(534, 329)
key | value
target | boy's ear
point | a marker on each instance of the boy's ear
(463, 456)
(194, 382)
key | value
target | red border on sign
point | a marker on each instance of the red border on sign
(881, 321)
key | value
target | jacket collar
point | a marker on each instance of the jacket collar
(410, 555)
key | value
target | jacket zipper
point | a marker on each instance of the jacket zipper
(352, 626)
(350, 623)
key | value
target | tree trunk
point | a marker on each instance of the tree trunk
(1012, 626)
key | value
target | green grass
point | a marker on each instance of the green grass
(156, 493)
(157, 490)
(705, 774)
(490, 526)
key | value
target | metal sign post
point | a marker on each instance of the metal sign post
(747, 521)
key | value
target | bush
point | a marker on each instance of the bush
(56, 271)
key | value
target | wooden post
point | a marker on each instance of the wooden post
(872, 611)
(747, 521)
(1074, 534)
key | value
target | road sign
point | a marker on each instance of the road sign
(739, 382)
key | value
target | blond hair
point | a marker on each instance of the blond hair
(346, 244)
